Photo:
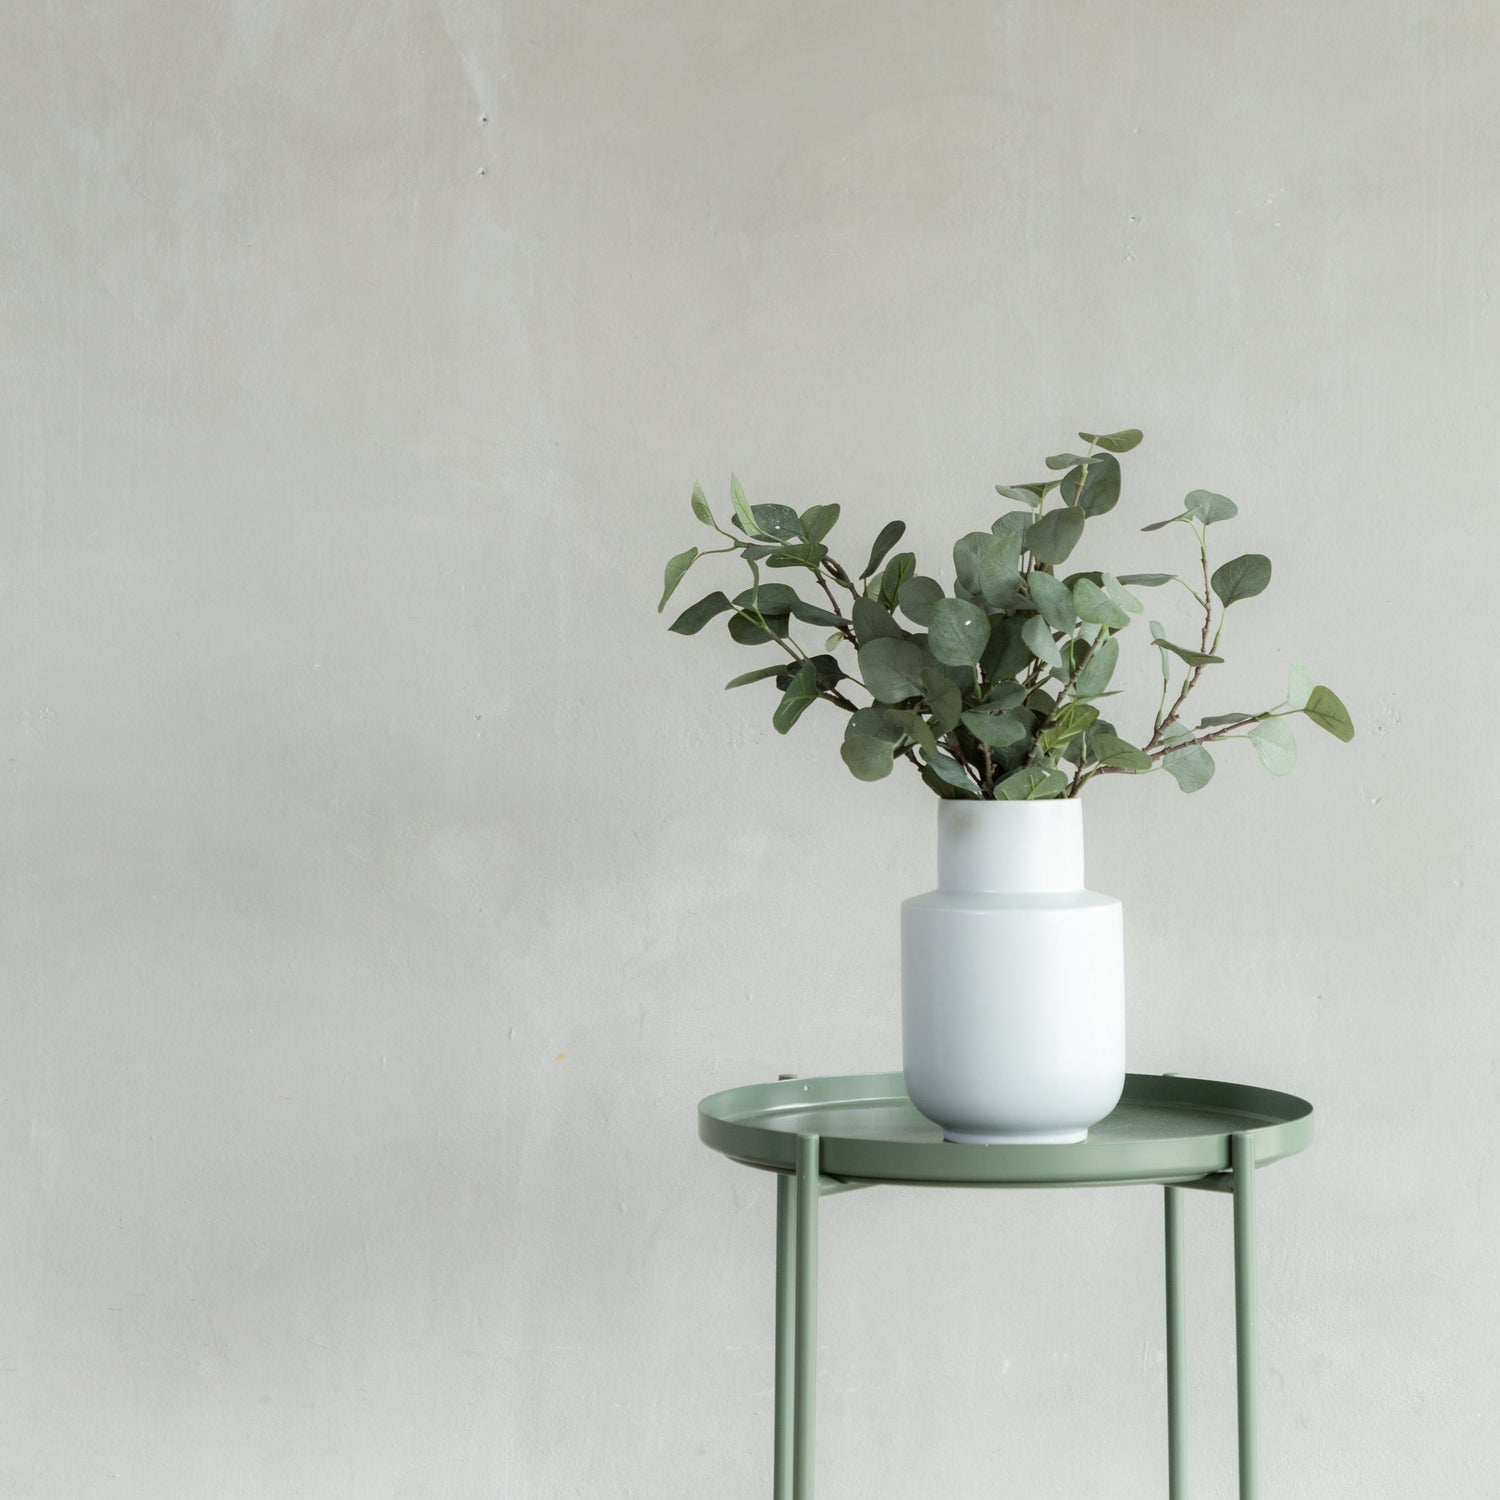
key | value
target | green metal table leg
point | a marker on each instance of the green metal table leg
(1242, 1160)
(786, 1329)
(805, 1403)
(1176, 1341)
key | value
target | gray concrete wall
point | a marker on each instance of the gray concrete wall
(382, 885)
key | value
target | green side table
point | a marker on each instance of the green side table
(832, 1135)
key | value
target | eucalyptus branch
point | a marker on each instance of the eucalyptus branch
(914, 677)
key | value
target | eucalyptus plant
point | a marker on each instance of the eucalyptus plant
(995, 687)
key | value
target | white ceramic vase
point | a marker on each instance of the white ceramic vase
(1012, 979)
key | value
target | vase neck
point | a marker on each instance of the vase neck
(1020, 847)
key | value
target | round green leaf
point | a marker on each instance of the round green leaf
(943, 696)
(1031, 784)
(801, 691)
(1110, 750)
(700, 506)
(1275, 744)
(818, 520)
(869, 759)
(696, 616)
(1055, 535)
(1299, 687)
(1093, 679)
(1114, 442)
(1241, 577)
(891, 669)
(1054, 599)
(1095, 607)
(1192, 768)
(918, 595)
(1039, 640)
(949, 770)
(1095, 487)
(873, 621)
(1209, 507)
(957, 632)
(1327, 712)
(779, 521)
(999, 731)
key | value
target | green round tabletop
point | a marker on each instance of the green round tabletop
(1165, 1129)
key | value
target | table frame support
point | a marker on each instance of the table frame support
(797, 1199)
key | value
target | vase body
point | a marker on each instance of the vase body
(1012, 979)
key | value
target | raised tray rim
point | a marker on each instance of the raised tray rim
(727, 1122)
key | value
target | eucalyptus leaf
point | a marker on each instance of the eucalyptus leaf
(818, 520)
(1191, 657)
(999, 731)
(1014, 523)
(893, 579)
(1120, 595)
(815, 614)
(958, 632)
(1072, 720)
(675, 572)
(1004, 695)
(1217, 721)
(1039, 641)
(1032, 784)
(1110, 750)
(916, 729)
(944, 698)
(1192, 767)
(1020, 494)
(873, 621)
(918, 594)
(1095, 607)
(1065, 460)
(1114, 442)
(742, 507)
(768, 598)
(890, 534)
(1327, 712)
(700, 506)
(758, 675)
(779, 521)
(801, 691)
(1099, 491)
(949, 770)
(1241, 578)
(891, 669)
(1147, 580)
(798, 555)
(1170, 521)
(999, 582)
(749, 632)
(1275, 744)
(968, 554)
(1007, 653)
(1094, 676)
(875, 724)
(868, 759)
(696, 616)
(1208, 507)
(1299, 687)
(1054, 599)
(1053, 537)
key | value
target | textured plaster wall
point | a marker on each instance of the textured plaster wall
(382, 886)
